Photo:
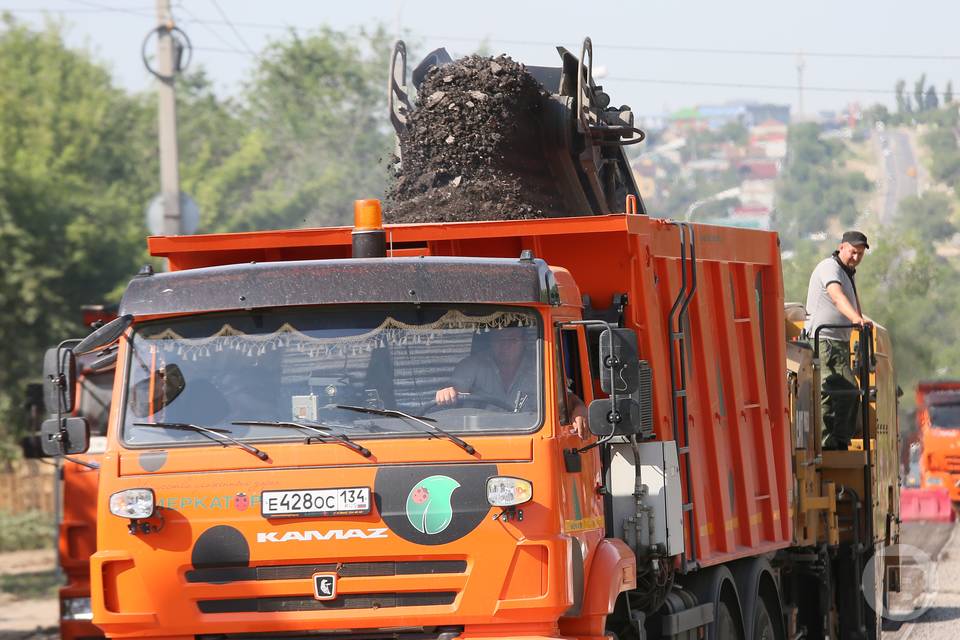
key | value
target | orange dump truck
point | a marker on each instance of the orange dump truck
(938, 426)
(279, 462)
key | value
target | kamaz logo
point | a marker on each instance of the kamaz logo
(313, 534)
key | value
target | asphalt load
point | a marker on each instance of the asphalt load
(473, 147)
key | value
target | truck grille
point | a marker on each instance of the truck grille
(346, 601)
(217, 575)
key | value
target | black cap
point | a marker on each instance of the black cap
(854, 237)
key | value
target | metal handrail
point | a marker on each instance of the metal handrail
(865, 358)
(678, 315)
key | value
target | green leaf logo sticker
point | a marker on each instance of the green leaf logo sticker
(428, 505)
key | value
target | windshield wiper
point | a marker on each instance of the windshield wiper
(217, 435)
(322, 433)
(393, 413)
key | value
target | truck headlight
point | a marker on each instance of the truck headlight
(136, 504)
(934, 481)
(75, 609)
(504, 491)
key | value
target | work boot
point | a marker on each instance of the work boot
(832, 443)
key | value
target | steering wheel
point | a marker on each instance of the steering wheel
(476, 398)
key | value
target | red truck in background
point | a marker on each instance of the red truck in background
(938, 435)
(76, 491)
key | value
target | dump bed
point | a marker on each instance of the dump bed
(739, 462)
(936, 387)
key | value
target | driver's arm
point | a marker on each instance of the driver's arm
(579, 415)
(463, 378)
(446, 396)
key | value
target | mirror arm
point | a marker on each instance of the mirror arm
(61, 379)
(61, 436)
(612, 358)
(82, 463)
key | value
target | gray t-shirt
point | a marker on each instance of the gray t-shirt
(479, 374)
(820, 308)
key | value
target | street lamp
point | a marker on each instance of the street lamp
(722, 195)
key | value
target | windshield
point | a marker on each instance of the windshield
(945, 416)
(299, 365)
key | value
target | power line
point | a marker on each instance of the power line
(714, 51)
(227, 50)
(236, 32)
(109, 9)
(543, 43)
(210, 30)
(52, 10)
(654, 48)
(748, 85)
(248, 25)
(692, 83)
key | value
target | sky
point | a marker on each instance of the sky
(657, 55)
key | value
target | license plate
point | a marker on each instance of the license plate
(315, 502)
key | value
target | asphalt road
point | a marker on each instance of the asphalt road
(938, 615)
(927, 536)
(898, 162)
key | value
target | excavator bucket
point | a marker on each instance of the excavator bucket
(582, 136)
(926, 505)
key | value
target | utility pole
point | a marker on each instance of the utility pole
(167, 67)
(800, 65)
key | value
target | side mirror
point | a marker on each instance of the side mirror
(623, 421)
(59, 380)
(64, 436)
(619, 361)
(104, 335)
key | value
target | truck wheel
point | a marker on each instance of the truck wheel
(727, 627)
(763, 628)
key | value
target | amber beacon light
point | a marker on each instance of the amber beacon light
(369, 238)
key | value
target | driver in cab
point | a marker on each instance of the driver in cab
(507, 373)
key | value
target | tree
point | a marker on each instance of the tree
(313, 137)
(903, 100)
(948, 93)
(877, 113)
(928, 215)
(944, 151)
(78, 162)
(814, 187)
(919, 89)
(930, 101)
(914, 293)
(72, 186)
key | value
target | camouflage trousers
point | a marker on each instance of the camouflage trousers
(838, 401)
